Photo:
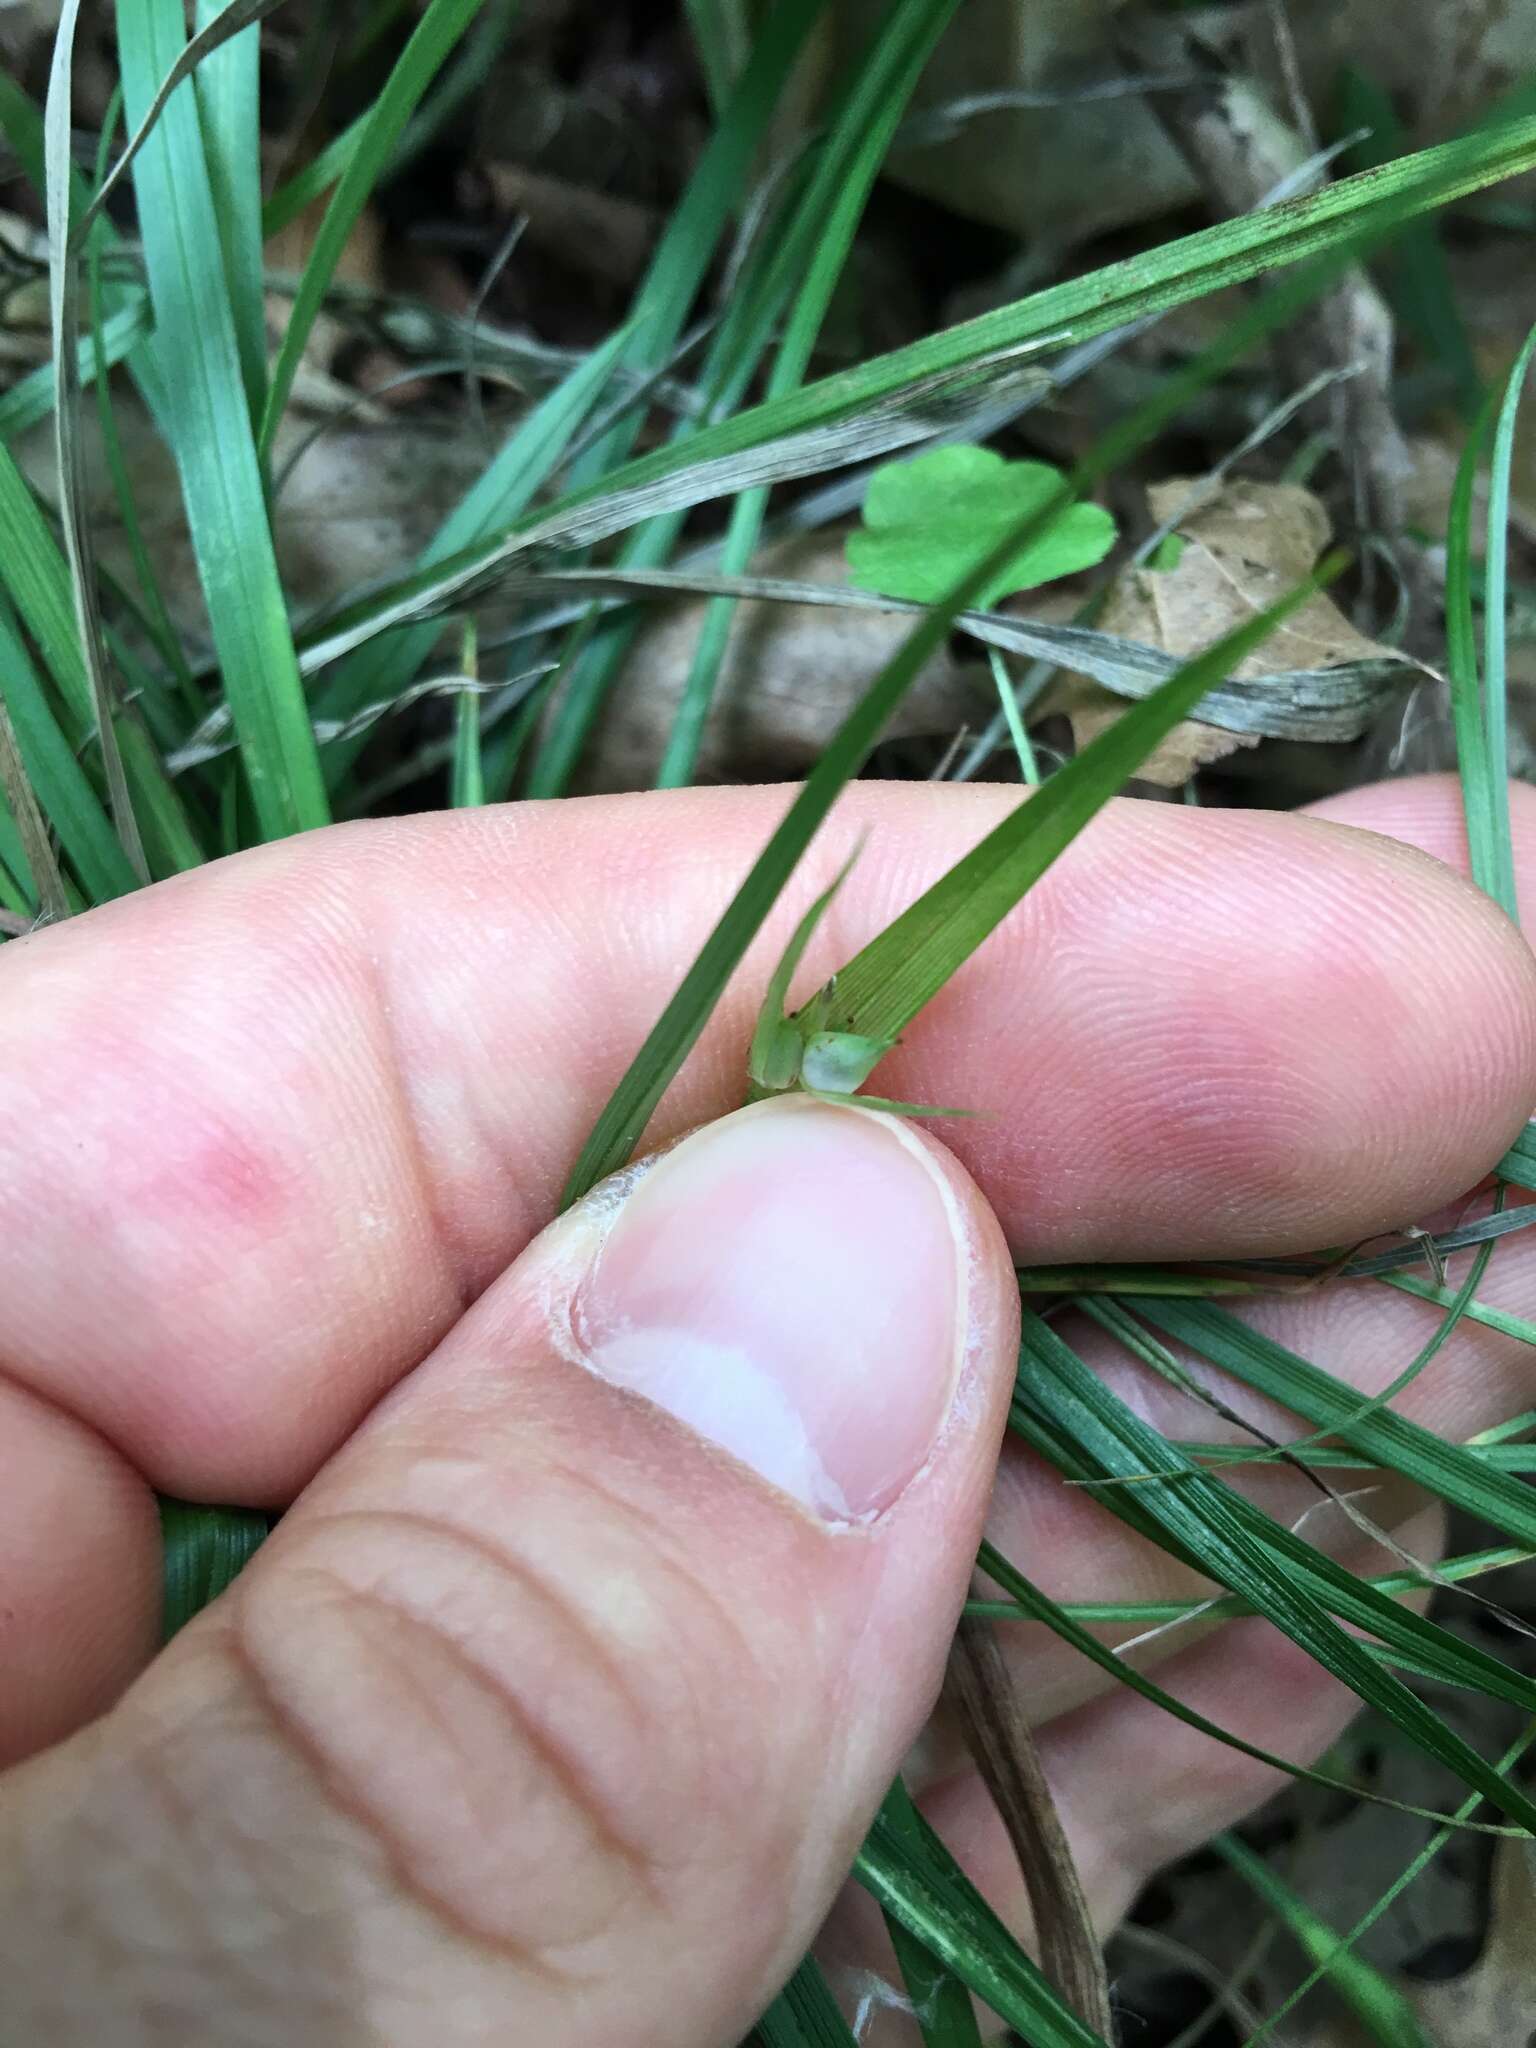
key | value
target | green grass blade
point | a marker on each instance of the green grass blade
(1389, 1440)
(1519, 1162)
(938, 1905)
(227, 22)
(1389, 1897)
(30, 399)
(467, 780)
(509, 484)
(720, 36)
(1029, 1603)
(29, 856)
(1500, 882)
(1476, 1311)
(1415, 270)
(431, 41)
(817, 246)
(624, 1117)
(596, 650)
(883, 987)
(1229, 1540)
(209, 427)
(319, 175)
(805, 2014)
(1368, 204)
(1479, 798)
(942, 2008)
(203, 1549)
(1380, 2007)
(64, 304)
(229, 103)
(62, 787)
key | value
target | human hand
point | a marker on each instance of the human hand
(537, 1718)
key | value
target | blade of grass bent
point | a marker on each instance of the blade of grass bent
(1228, 252)
(209, 428)
(238, 15)
(64, 306)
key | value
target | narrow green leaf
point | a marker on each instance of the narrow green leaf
(1029, 1603)
(945, 1912)
(1389, 1440)
(1519, 1162)
(1234, 1543)
(941, 2004)
(305, 186)
(203, 1550)
(1500, 881)
(805, 2014)
(228, 21)
(883, 987)
(596, 650)
(63, 789)
(816, 249)
(509, 484)
(433, 37)
(30, 399)
(64, 304)
(1379, 2006)
(209, 426)
(229, 102)
(720, 34)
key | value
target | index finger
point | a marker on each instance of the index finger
(271, 1126)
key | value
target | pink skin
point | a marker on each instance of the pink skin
(270, 1130)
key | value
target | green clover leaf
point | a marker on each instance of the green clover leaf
(929, 519)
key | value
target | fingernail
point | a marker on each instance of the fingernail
(790, 1283)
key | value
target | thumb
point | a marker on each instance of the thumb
(557, 1706)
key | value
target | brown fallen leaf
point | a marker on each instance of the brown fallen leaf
(1492, 2005)
(1241, 549)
